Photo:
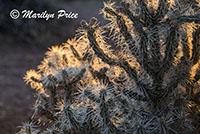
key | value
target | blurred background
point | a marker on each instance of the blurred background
(22, 46)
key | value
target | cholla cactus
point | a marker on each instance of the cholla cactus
(138, 74)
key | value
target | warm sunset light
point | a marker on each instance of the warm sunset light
(137, 74)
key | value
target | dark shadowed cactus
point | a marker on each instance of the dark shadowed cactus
(138, 74)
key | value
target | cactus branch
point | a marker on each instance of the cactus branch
(99, 52)
(145, 12)
(171, 47)
(162, 9)
(197, 76)
(138, 25)
(196, 46)
(74, 51)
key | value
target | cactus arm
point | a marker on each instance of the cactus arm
(75, 52)
(179, 77)
(147, 15)
(138, 25)
(99, 52)
(186, 49)
(171, 46)
(188, 19)
(105, 114)
(197, 76)
(78, 76)
(124, 31)
(123, 28)
(196, 46)
(176, 21)
(162, 9)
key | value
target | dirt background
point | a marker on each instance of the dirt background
(20, 52)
